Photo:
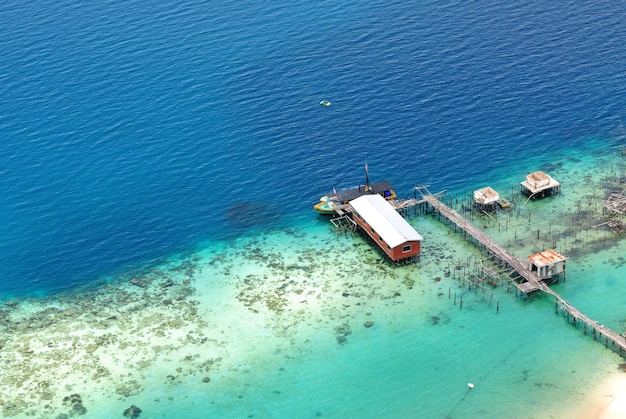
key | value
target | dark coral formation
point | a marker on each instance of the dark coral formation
(342, 332)
(132, 412)
(75, 403)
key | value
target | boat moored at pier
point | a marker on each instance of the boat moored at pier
(330, 202)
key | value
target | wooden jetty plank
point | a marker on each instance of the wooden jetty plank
(616, 338)
(404, 203)
(533, 283)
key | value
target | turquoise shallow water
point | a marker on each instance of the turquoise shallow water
(158, 168)
(272, 325)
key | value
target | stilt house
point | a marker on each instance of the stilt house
(547, 264)
(539, 185)
(486, 198)
(388, 229)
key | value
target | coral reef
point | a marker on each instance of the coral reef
(132, 412)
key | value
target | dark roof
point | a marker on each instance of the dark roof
(353, 193)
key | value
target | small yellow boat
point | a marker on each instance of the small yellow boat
(504, 204)
(326, 205)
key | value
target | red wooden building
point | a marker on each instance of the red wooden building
(389, 230)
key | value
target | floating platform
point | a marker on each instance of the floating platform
(504, 204)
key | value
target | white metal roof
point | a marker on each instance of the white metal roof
(385, 220)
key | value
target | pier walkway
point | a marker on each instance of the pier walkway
(531, 281)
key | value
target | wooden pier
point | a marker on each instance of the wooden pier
(530, 281)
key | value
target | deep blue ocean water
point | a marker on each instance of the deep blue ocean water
(134, 130)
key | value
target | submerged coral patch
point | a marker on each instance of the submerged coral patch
(250, 214)
(342, 332)
(132, 412)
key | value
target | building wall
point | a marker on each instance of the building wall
(399, 253)
(550, 270)
(396, 253)
(559, 267)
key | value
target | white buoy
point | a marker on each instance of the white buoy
(470, 385)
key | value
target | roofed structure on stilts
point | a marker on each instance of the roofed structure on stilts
(388, 229)
(486, 198)
(539, 185)
(547, 264)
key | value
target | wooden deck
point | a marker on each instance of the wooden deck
(405, 203)
(531, 281)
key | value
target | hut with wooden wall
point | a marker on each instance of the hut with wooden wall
(486, 198)
(388, 229)
(539, 185)
(548, 265)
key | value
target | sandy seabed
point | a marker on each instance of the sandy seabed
(608, 401)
